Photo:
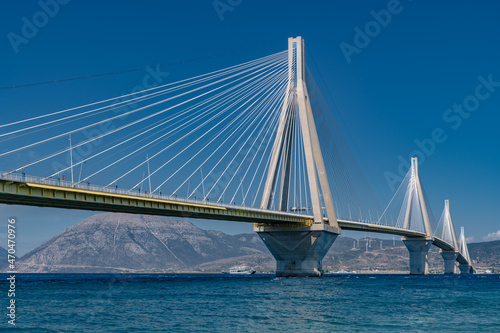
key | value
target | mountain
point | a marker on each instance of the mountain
(486, 254)
(115, 242)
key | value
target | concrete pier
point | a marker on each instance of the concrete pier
(418, 248)
(298, 252)
(466, 269)
(450, 262)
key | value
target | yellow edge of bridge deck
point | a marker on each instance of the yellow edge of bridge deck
(124, 196)
(201, 210)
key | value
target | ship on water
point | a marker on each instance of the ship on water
(241, 270)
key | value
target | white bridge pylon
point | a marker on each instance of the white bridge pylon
(448, 235)
(298, 250)
(297, 96)
(416, 216)
(465, 268)
(463, 245)
(416, 213)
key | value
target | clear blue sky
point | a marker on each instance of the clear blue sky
(388, 92)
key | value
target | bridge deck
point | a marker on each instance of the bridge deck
(34, 194)
(382, 229)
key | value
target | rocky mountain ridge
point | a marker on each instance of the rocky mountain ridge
(115, 242)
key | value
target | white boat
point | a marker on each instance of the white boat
(241, 270)
(342, 272)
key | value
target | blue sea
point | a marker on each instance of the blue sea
(258, 303)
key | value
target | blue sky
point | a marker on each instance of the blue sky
(398, 87)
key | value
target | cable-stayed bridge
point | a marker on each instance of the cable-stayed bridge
(249, 143)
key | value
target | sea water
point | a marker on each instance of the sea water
(257, 303)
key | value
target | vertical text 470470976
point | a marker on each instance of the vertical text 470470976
(11, 258)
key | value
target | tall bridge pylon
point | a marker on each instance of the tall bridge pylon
(448, 235)
(298, 249)
(464, 250)
(416, 210)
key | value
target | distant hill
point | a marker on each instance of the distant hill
(486, 254)
(115, 242)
